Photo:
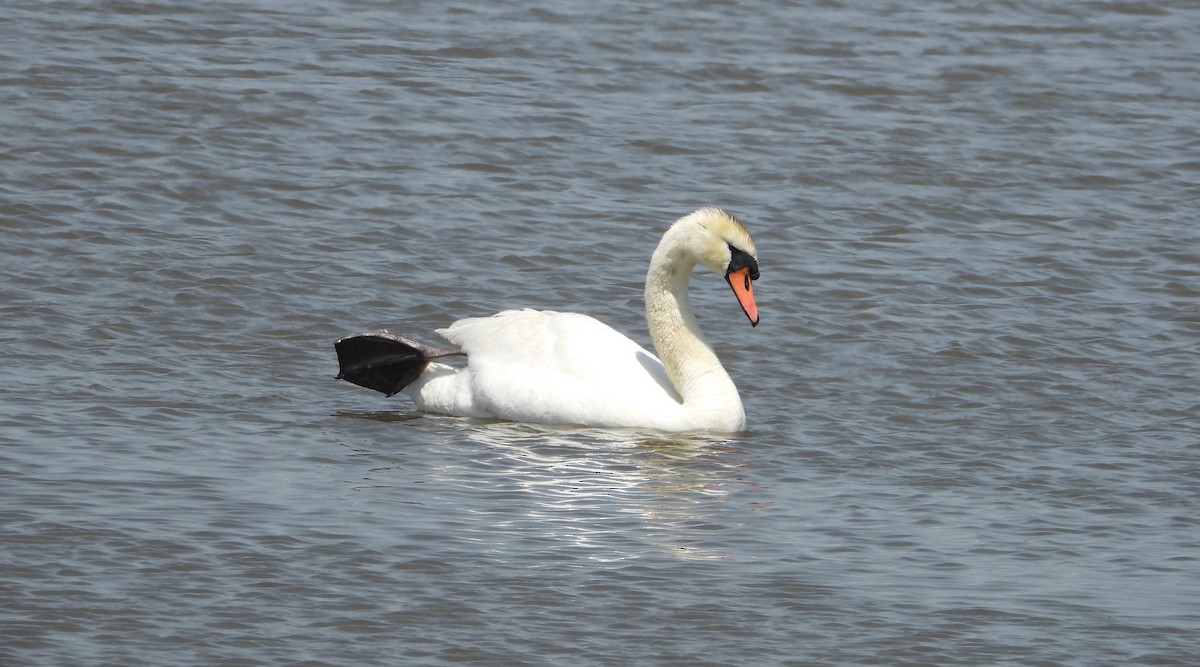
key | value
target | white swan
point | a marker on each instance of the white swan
(567, 368)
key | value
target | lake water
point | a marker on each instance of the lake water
(974, 415)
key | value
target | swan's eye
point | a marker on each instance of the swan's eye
(740, 259)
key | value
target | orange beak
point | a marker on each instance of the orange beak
(743, 289)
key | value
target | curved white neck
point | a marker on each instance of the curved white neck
(702, 383)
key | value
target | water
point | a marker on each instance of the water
(972, 400)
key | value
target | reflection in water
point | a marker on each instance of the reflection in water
(379, 416)
(610, 493)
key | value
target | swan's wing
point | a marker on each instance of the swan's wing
(545, 366)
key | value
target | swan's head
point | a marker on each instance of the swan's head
(718, 241)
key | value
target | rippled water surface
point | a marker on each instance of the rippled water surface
(974, 416)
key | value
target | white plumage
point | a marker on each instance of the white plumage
(550, 368)
(568, 368)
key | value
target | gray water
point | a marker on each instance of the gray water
(974, 418)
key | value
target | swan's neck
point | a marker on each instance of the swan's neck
(705, 388)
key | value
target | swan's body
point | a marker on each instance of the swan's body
(550, 367)
(561, 368)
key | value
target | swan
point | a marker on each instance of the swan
(566, 368)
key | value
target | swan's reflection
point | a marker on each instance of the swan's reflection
(613, 493)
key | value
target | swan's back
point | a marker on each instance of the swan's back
(551, 367)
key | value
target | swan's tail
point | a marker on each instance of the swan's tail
(385, 362)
